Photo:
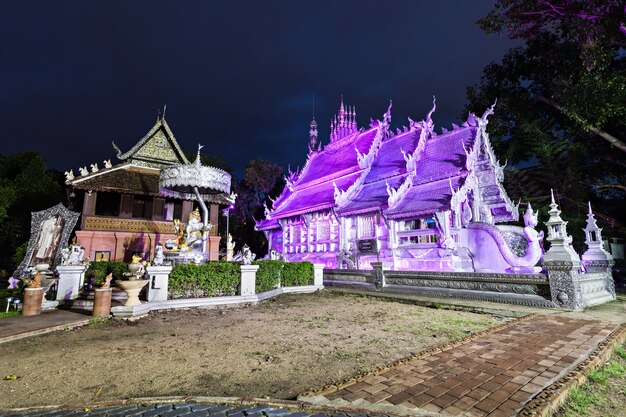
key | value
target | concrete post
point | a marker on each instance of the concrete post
(318, 275)
(378, 275)
(159, 276)
(563, 277)
(248, 279)
(71, 279)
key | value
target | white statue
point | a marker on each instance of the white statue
(230, 248)
(94, 168)
(107, 163)
(83, 171)
(69, 175)
(73, 256)
(159, 257)
(247, 256)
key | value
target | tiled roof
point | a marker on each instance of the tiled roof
(123, 178)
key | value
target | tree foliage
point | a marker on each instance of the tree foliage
(26, 185)
(562, 93)
(263, 181)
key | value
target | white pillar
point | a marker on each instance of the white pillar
(157, 288)
(318, 275)
(248, 279)
(71, 279)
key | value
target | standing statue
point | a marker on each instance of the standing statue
(230, 248)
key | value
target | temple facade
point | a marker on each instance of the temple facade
(124, 211)
(412, 199)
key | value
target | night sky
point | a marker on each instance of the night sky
(238, 77)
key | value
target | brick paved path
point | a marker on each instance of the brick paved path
(493, 375)
(13, 328)
(185, 410)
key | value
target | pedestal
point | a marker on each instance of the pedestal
(71, 279)
(32, 301)
(159, 276)
(378, 275)
(213, 248)
(248, 279)
(318, 275)
(102, 302)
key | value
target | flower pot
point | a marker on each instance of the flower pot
(102, 302)
(32, 301)
(132, 289)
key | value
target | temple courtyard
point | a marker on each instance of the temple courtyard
(328, 349)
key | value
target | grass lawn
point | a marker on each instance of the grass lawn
(604, 394)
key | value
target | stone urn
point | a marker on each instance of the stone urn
(132, 288)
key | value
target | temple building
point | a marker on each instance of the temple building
(124, 211)
(412, 199)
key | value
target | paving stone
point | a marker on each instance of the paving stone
(276, 412)
(176, 412)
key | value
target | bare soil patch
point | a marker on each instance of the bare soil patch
(276, 349)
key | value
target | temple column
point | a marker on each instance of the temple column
(89, 206)
(187, 208)
(214, 218)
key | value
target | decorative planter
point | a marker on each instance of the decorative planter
(32, 301)
(132, 289)
(102, 302)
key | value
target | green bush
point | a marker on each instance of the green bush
(99, 270)
(206, 280)
(297, 273)
(268, 275)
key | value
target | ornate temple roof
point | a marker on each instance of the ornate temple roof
(122, 178)
(156, 149)
(411, 173)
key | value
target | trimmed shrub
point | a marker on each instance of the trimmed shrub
(268, 275)
(207, 280)
(297, 273)
(98, 270)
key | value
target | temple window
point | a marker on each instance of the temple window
(296, 234)
(108, 204)
(323, 230)
(367, 227)
(419, 232)
(173, 209)
(142, 207)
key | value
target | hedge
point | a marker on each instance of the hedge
(268, 275)
(207, 280)
(297, 273)
(98, 270)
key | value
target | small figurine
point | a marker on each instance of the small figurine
(247, 256)
(159, 258)
(107, 281)
(94, 168)
(83, 171)
(69, 175)
(35, 282)
(107, 163)
(230, 248)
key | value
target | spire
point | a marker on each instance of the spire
(344, 122)
(560, 241)
(313, 142)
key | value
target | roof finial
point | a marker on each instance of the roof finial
(198, 162)
(164, 108)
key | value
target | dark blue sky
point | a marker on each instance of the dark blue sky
(237, 76)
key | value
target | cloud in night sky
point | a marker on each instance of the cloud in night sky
(239, 77)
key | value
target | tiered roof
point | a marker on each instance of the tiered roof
(411, 173)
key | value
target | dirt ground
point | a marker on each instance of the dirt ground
(277, 349)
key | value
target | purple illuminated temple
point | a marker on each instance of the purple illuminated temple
(413, 199)
(427, 202)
